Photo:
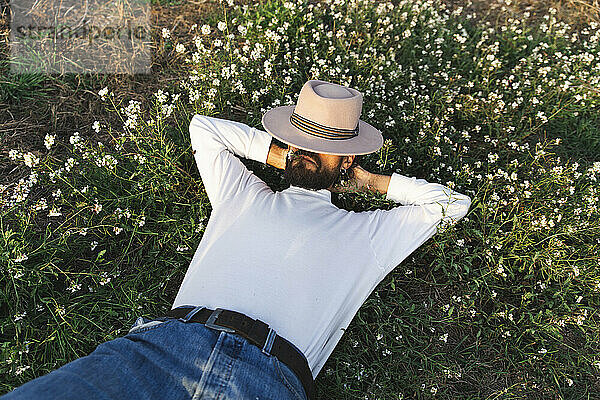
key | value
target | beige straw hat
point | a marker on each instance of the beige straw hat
(324, 120)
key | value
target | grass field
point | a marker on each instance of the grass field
(99, 222)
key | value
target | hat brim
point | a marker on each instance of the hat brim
(277, 123)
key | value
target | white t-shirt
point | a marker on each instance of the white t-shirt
(292, 258)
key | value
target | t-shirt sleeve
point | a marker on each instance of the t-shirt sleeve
(396, 233)
(216, 143)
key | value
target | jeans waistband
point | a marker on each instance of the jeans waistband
(256, 332)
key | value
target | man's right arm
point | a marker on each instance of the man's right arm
(277, 156)
(216, 143)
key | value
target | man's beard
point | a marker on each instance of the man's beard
(297, 173)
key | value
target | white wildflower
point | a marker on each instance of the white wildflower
(21, 258)
(41, 204)
(22, 369)
(569, 381)
(103, 92)
(20, 316)
(105, 278)
(30, 159)
(55, 212)
(14, 154)
(49, 141)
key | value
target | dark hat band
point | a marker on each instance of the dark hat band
(322, 131)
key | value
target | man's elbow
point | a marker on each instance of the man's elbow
(456, 209)
(198, 123)
(462, 206)
(203, 132)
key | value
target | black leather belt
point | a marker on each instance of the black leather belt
(256, 332)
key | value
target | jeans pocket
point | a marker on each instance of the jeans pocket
(144, 324)
(289, 379)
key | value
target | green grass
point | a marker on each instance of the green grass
(501, 306)
(22, 87)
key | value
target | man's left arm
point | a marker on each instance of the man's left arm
(396, 233)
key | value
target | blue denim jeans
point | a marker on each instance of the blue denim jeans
(169, 359)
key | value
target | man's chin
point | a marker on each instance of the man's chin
(310, 185)
(307, 179)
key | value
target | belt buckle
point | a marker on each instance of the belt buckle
(210, 322)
